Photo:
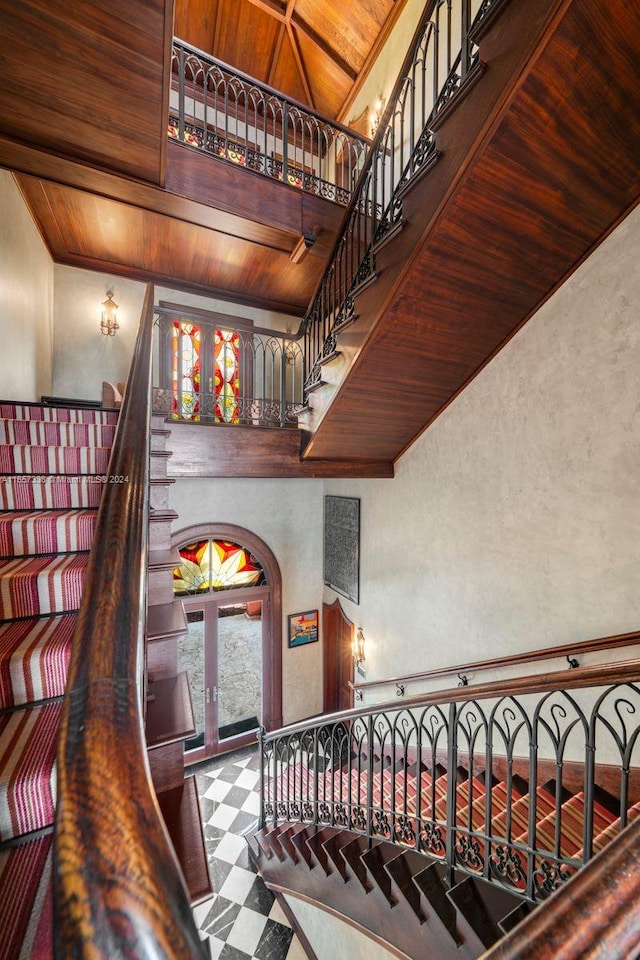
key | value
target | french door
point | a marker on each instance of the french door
(224, 652)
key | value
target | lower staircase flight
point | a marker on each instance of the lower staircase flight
(362, 816)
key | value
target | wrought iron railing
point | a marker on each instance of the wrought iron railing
(443, 773)
(234, 117)
(223, 370)
(443, 58)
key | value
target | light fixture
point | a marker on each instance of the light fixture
(109, 323)
(376, 115)
(357, 647)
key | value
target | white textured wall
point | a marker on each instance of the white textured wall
(514, 521)
(26, 300)
(333, 939)
(84, 357)
(287, 515)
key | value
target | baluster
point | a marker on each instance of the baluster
(181, 69)
(452, 765)
(465, 51)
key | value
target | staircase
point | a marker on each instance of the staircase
(52, 464)
(363, 817)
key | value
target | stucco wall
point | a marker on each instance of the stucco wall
(514, 522)
(83, 357)
(331, 938)
(287, 515)
(26, 300)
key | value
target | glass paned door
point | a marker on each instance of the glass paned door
(191, 657)
(223, 653)
(239, 687)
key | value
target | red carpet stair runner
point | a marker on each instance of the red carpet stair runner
(406, 897)
(52, 464)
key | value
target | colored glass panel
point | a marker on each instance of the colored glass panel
(209, 565)
(226, 375)
(185, 370)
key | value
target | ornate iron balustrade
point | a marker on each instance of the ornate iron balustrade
(443, 58)
(225, 371)
(236, 118)
(521, 790)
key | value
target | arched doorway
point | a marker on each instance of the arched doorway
(230, 584)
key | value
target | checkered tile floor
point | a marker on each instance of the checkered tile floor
(243, 920)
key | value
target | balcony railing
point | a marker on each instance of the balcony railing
(442, 59)
(519, 782)
(217, 369)
(234, 117)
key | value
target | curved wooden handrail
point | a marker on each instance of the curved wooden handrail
(600, 674)
(118, 889)
(593, 916)
(548, 653)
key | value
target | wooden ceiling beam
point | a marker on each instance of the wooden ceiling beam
(322, 45)
(300, 65)
(271, 7)
(275, 53)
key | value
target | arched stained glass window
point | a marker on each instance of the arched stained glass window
(209, 565)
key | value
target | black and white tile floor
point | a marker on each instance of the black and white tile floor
(243, 920)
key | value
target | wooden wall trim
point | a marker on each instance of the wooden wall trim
(545, 653)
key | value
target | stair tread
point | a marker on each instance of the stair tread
(26, 917)
(166, 620)
(50, 492)
(34, 658)
(181, 813)
(69, 459)
(571, 821)
(63, 414)
(32, 532)
(27, 771)
(55, 432)
(37, 585)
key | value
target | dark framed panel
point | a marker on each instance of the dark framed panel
(342, 546)
(302, 628)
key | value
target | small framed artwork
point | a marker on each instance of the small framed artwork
(303, 628)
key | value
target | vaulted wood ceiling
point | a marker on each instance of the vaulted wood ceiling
(312, 50)
(84, 126)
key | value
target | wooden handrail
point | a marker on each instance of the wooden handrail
(600, 674)
(548, 653)
(593, 916)
(118, 889)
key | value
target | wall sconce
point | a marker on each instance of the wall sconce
(376, 115)
(109, 323)
(358, 647)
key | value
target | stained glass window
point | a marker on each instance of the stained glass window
(209, 565)
(185, 370)
(205, 372)
(227, 375)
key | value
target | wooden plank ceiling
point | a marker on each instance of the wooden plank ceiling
(84, 127)
(312, 50)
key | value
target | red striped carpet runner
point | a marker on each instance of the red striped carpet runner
(50, 492)
(26, 914)
(27, 532)
(28, 741)
(34, 659)
(31, 586)
(53, 463)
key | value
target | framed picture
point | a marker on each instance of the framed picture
(303, 628)
(342, 546)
